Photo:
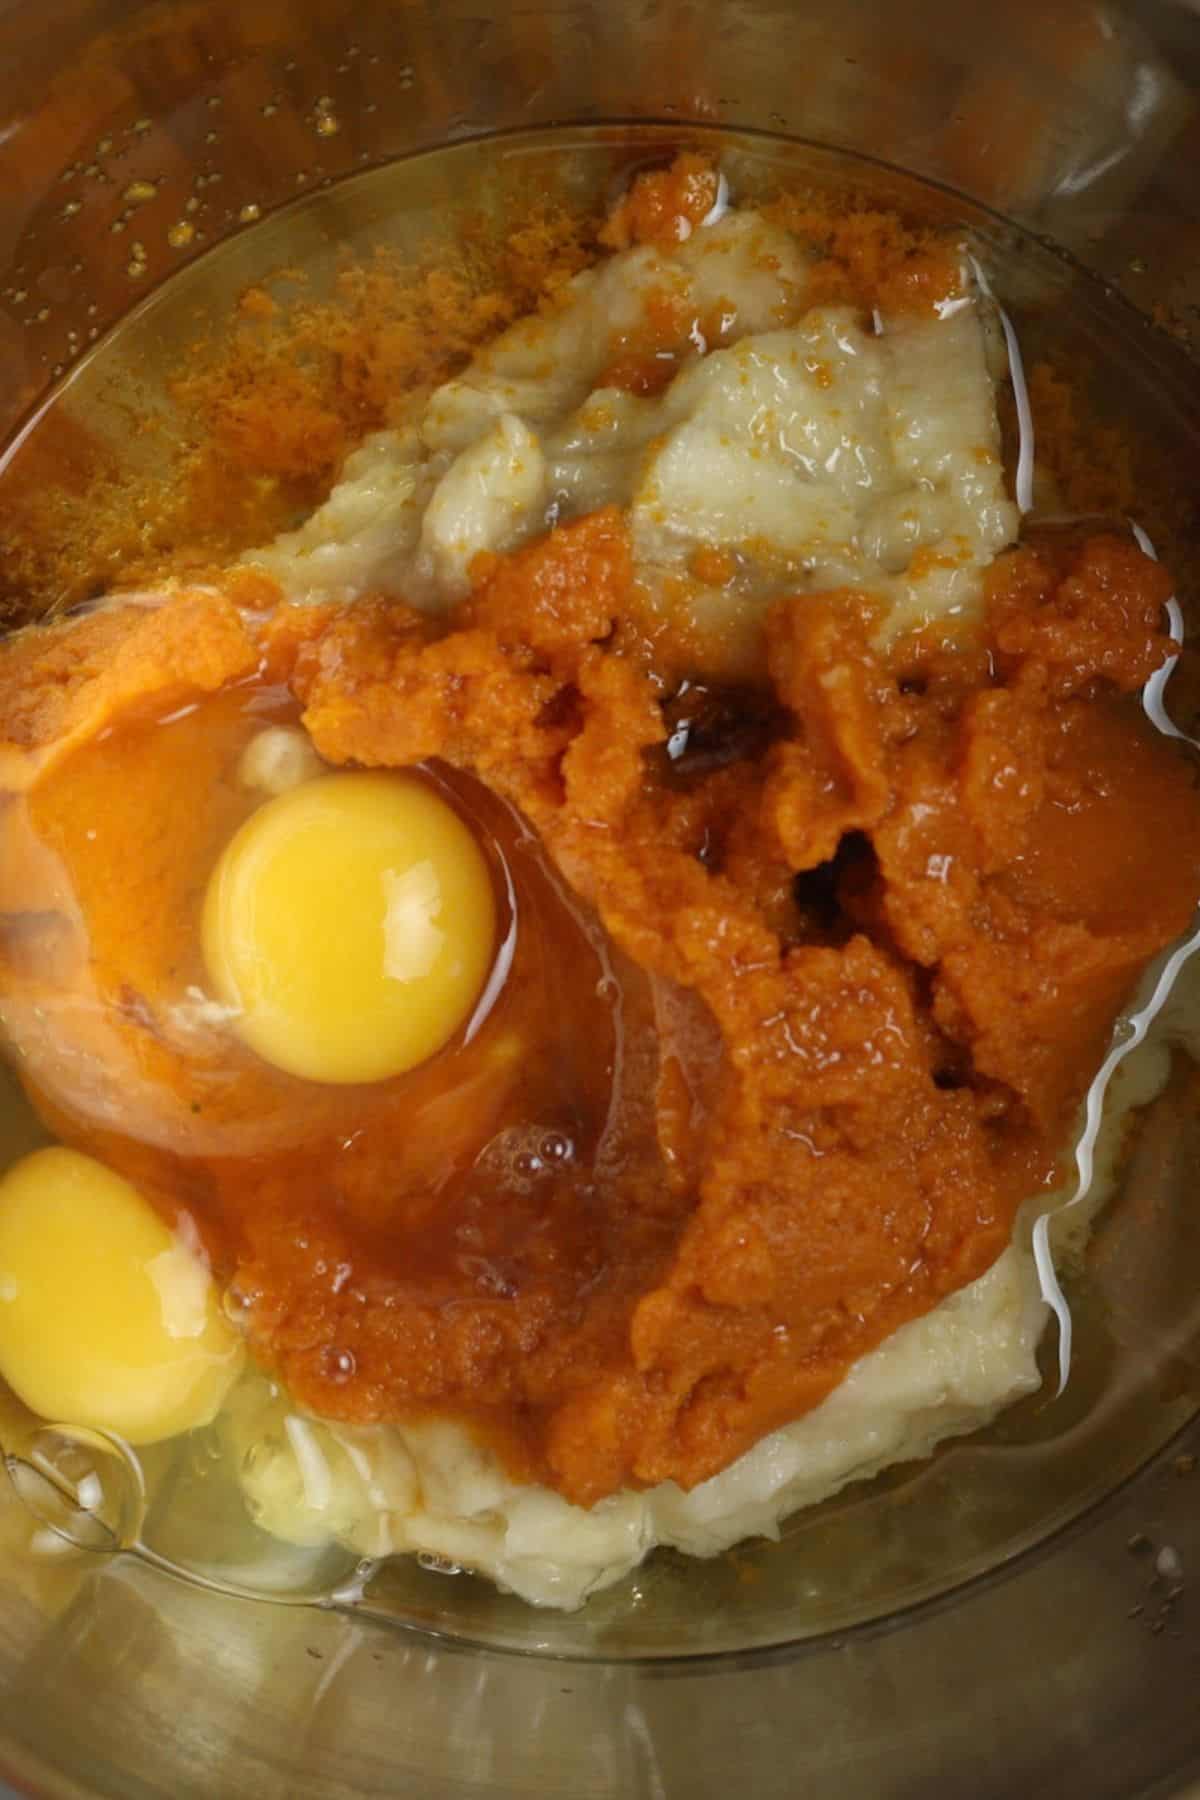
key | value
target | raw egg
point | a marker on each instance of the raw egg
(350, 925)
(106, 1318)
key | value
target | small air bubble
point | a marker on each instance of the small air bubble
(338, 1365)
(139, 192)
(71, 208)
(141, 126)
(181, 234)
(556, 1148)
(42, 314)
(236, 1305)
(269, 110)
(250, 212)
(1169, 1564)
(213, 102)
(104, 146)
(328, 126)
(437, 1565)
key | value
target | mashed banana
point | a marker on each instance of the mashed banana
(815, 451)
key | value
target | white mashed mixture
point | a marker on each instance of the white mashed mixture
(819, 455)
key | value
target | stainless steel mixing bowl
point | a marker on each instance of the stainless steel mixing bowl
(1063, 1672)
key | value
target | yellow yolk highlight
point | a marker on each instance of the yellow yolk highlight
(106, 1318)
(350, 924)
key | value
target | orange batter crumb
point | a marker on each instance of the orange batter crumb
(663, 206)
(266, 408)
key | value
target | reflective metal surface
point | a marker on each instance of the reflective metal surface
(1075, 1670)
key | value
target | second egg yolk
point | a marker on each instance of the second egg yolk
(106, 1318)
(350, 925)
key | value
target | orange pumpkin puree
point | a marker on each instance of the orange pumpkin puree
(795, 1018)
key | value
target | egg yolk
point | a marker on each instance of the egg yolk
(350, 925)
(106, 1318)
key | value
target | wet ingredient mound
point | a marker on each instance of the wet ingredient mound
(811, 974)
